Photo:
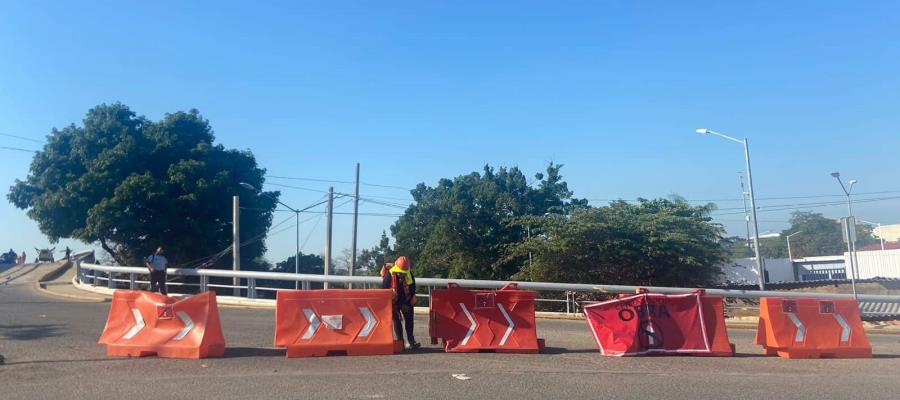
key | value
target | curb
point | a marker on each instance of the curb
(42, 287)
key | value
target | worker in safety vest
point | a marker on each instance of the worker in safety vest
(400, 280)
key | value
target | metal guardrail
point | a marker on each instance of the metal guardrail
(251, 277)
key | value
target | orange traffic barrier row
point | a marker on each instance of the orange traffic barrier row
(315, 323)
(359, 322)
(484, 320)
(144, 323)
(811, 328)
(659, 324)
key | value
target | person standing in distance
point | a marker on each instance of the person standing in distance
(400, 280)
(157, 265)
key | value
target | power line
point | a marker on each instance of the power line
(297, 187)
(308, 179)
(829, 204)
(385, 186)
(758, 198)
(22, 138)
(17, 149)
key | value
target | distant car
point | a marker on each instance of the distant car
(44, 255)
(8, 258)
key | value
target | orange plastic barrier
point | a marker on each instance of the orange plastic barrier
(483, 320)
(316, 323)
(144, 323)
(714, 317)
(811, 328)
(659, 324)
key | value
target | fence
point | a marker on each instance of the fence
(111, 276)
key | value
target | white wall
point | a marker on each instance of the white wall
(743, 270)
(878, 263)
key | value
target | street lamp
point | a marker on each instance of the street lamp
(851, 244)
(297, 213)
(790, 254)
(759, 261)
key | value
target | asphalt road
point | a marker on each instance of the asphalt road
(51, 351)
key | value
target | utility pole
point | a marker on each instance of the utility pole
(236, 241)
(746, 211)
(849, 227)
(297, 248)
(329, 216)
(355, 221)
(760, 264)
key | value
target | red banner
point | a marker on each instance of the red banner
(649, 323)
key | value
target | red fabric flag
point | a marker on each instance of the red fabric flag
(649, 323)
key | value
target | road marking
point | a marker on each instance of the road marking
(370, 321)
(313, 323)
(801, 329)
(509, 327)
(845, 327)
(188, 325)
(138, 324)
(472, 324)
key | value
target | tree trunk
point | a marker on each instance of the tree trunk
(116, 256)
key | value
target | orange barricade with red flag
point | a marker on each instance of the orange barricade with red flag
(316, 323)
(143, 323)
(811, 328)
(660, 324)
(484, 320)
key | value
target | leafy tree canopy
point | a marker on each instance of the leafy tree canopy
(133, 184)
(656, 242)
(819, 236)
(458, 228)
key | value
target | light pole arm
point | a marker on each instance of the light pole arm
(724, 136)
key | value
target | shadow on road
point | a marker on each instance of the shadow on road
(562, 350)
(30, 332)
(89, 360)
(241, 352)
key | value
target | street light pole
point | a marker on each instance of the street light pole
(791, 254)
(849, 228)
(297, 213)
(877, 224)
(759, 261)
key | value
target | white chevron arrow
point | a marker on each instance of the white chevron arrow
(313, 323)
(371, 321)
(801, 329)
(845, 327)
(511, 325)
(188, 325)
(138, 324)
(472, 324)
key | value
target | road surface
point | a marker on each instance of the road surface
(51, 351)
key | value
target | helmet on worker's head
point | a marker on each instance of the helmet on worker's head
(402, 263)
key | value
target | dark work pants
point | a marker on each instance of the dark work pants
(406, 312)
(158, 281)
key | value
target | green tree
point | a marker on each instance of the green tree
(132, 184)
(656, 242)
(820, 236)
(458, 229)
(372, 259)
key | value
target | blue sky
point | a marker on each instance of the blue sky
(416, 91)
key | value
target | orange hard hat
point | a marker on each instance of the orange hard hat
(402, 263)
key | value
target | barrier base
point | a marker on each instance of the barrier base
(117, 350)
(819, 353)
(326, 351)
(451, 347)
